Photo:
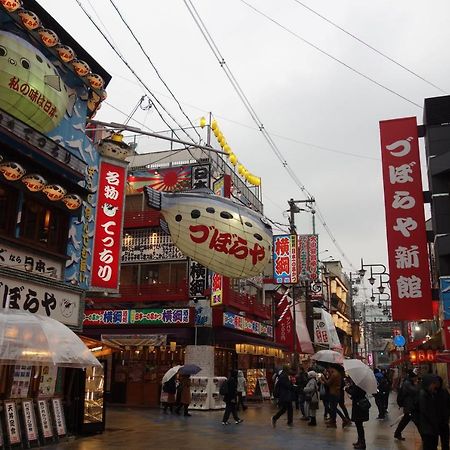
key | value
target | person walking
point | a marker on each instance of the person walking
(284, 391)
(360, 412)
(408, 393)
(428, 413)
(301, 382)
(170, 388)
(382, 391)
(230, 392)
(241, 390)
(184, 395)
(443, 413)
(346, 421)
(334, 383)
(311, 396)
(324, 395)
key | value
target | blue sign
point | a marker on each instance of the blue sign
(399, 341)
(444, 295)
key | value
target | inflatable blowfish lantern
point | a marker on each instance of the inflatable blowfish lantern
(225, 237)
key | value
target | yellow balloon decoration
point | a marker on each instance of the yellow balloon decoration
(227, 148)
(233, 158)
(214, 125)
(241, 169)
(222, 141)
(216, 131)
(257, 181)
(202, 122)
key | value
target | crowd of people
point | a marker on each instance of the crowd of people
(425, 400)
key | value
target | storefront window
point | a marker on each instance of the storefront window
(44, 226)
(8, 208)
(148, 274)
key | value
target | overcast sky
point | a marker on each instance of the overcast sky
(305, 99)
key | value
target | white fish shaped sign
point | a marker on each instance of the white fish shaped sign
(225, 237)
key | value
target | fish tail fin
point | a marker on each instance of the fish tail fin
(154, 197)
(164, 226)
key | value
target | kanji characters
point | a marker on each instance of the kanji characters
(111, 192)
(409, 287)
(405, 258)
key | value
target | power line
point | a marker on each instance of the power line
(122, 58)
(154, 67)
(316, 47)
(370, 46)
(204, 31)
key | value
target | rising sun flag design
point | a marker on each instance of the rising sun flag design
(165, 180)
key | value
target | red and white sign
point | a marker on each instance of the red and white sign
(216, 289)
(405, 220)
(108, 226)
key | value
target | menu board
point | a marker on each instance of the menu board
(263, 385)
(47, 381)
(12, 422)
(58, 414)
(29, 419)
(45, 419)
(21, 381)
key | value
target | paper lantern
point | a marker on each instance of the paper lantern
(81, 68)
(226, 237)
(214, 125)
(257, 181)
(203, 122)
(227, 149)
(48, 37)
(222, 141)
(29, 19)
(34, 182)
(96, 81)
(103, 94)
(12, 171)
(233, 158)
(72, 201)
(11, 5)
(65, 53)
(54, 192)
(216, 132)
(241, 169)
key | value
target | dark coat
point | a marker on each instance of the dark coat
(285, 388)
(443, 405)
(184, 390)
(357, 394)
(427, 408)
(231, 394)
(411, 392)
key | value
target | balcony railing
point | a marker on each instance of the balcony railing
(141, 219)
(158, 292)
(248, 304)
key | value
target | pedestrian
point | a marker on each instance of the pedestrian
(230, 392)
(284, 390)
(443, 413)
(407, 399)
(170, 389)
(388, 387)
(324, 395)
(360, 411)
(311, 395)
(428, 413)
(382, 391)
(301, 382)
(241, 390)
(334, 383)
(184, 395)
(346, 421)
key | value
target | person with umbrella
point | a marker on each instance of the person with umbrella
(170, 388)
(360, 411)
(184, 394)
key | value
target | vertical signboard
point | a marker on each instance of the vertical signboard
(308, 256)
(45, 420)
(108, 227)
(405, 220)
(216, 289)
(12, 423)
(58, 415)
(285, 261)
(29, 420)
(198, 280)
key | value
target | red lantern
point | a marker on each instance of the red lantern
(11, 5)
(81, 68)
(65, 53)
(29, 19)
(48, 37)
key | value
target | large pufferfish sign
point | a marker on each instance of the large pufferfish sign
(225, 237)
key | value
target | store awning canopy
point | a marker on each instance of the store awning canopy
(134, 340)
(27, 338)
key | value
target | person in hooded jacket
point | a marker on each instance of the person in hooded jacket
(311, 395)
(359, 414)
(428, 413)
(241, 390)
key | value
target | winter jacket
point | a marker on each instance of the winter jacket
(232, 390)
(443, 405)
(301, 380)
(410, 392)
(241, 382)
(311, 391)
(184, 390)
(334, 383)
(427, 408)
(357, 394)
(285, 388)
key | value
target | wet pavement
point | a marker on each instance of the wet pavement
(135, 429)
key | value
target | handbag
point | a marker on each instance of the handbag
(364, 404)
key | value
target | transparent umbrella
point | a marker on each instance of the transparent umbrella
(328, 356)
(38, 340)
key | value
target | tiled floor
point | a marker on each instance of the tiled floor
(134, 429)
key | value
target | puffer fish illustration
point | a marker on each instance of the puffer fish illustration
(228, 238)
(31, 88)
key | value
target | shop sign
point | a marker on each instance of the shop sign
(422, 356)
(44, 417)
(29, 420)
(285, 259)
(320, 332)
(216, 289)
(108, 227)
(41, 142)
(12, 422)
(198, 279)
(21, 381)
(30, 262)
(203, 313)
(405, 221)
(58, 414)
(165, 316)
(444, 294)
(200, 176)
(237, 322)
(308, 249)
(50, 301)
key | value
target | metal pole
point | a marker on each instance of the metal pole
(294, 320)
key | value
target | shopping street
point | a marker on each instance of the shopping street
(135, 429)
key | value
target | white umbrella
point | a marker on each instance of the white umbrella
(170, 373)
(361, 374)
(27, 338)
(328, 356)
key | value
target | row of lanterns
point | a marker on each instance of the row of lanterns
(13, 171)
(50, 39)
(259, 350)
(252, 179)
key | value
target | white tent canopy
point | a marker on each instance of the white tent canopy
(27, 338)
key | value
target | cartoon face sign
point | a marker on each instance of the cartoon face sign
(67, 307)
(110, 210)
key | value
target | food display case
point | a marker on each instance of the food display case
(94, 400)
(253, 388)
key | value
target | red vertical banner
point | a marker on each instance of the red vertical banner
(108, 226)
(405, 220)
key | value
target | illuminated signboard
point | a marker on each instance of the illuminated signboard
(285, 260)
(240, 323)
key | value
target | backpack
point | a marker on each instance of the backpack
(224, 388)
(401, 395)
